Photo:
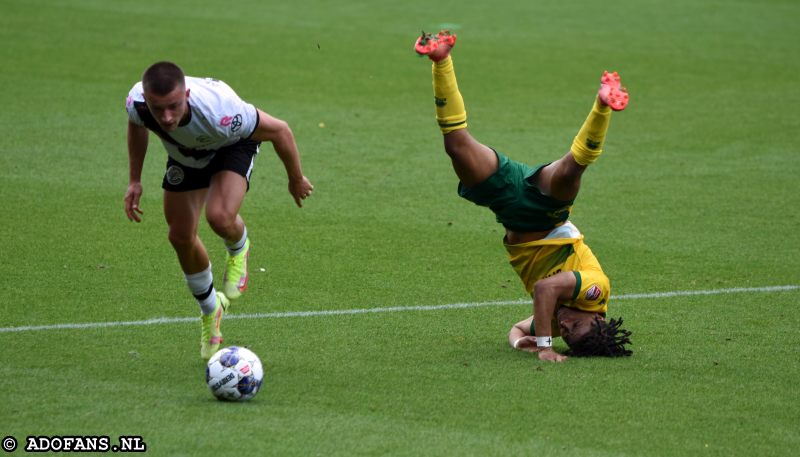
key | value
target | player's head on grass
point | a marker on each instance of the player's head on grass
(590, 334)
(164, 87)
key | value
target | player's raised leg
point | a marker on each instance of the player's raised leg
(472, 161)
(225, 197)
(588, 143)
(561, 179)
(182, 211)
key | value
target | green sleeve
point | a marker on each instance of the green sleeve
(577, 284)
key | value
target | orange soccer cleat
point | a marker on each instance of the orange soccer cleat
(611, 91)
(436, 47)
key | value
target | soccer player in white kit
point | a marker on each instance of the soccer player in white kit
(211, 137)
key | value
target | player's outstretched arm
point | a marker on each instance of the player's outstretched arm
(280, 135)
(137, 148)
(547, 293)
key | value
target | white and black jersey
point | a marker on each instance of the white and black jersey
(217, 118)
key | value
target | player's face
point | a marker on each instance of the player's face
(170, 109)
(574, 324)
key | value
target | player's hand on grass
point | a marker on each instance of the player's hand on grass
(527, 344)
(132, 202)
(549, 355)
(300, 189)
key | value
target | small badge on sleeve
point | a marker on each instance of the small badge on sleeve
(236, 123)
(593, 293)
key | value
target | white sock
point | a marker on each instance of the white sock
(237, 247)
(202, 287)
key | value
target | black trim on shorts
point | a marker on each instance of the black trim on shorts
(258, 118)
(237, 158)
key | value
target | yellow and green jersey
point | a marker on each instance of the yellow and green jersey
(563, 249)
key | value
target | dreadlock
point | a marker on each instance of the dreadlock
(606, 339)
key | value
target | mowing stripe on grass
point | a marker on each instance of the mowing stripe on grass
(392, 309)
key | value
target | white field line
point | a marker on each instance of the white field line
(391, 309)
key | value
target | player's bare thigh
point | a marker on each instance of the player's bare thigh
(473, 162)
(225, 197)
(561, 179)
(182, 211)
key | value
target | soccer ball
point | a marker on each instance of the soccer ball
(234, 374)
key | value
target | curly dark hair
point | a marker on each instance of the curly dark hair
(606, 339)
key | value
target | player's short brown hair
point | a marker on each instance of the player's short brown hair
(162, 78)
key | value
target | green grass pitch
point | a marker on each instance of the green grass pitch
(696, 191)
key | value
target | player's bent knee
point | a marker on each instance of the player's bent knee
(454, 152)
(181, 238)
(221, 221)
(458, 143)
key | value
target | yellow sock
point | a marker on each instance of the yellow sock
(588, 144)
(450, 111)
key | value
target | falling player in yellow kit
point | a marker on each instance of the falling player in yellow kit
(569, 289)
